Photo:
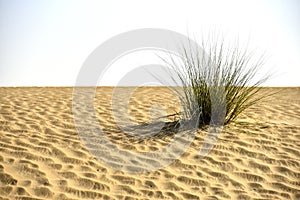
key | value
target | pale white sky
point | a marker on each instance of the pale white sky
(44, 43)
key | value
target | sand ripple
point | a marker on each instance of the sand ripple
(42, 156)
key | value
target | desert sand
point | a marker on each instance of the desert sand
(42, 156)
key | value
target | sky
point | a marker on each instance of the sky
(45, 43)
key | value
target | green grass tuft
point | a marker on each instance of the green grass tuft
(223, 82)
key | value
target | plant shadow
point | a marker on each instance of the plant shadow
(160, 129)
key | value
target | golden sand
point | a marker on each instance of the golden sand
(42, 156)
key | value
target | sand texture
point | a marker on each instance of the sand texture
(43, 157)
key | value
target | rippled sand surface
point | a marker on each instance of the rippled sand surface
(43, 157)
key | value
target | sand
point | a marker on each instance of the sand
(42, 156)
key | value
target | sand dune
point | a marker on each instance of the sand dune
(42, 155)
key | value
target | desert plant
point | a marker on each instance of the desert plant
(223, 73)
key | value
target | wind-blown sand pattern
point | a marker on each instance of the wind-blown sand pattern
(42, 156)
